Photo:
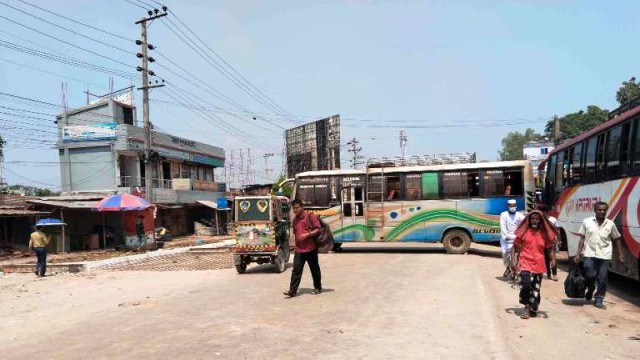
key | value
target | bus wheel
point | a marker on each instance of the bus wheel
(280, 261)
(456, 242)
(241, 268)
(337, 247)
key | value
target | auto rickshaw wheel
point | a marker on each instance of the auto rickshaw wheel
(241, 268)
(280, 261)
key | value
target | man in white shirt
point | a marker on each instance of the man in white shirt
(597, 235)
(509, 221)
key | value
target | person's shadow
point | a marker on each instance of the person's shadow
(575, 302)
(519, 310)
(308, 291)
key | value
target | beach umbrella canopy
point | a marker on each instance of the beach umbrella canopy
(50, 222)
(122, 202)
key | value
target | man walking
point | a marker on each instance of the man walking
(552, 271)
(534, 237)
(509, 221)
(306, 227)
(38, 244)
(597, 235)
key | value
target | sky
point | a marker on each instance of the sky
(457, 76)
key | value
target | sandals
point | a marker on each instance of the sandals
(525, 315)
(289, 294)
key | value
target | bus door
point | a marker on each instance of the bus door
(353, 212)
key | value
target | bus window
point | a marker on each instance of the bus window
(600, 160)
(412, 187)
(494, 183)
(375, 188)
(624, 149)
(473, 181)
(590, 159)
(430, 186)
(576, 164)
(455, 184)
(614, 141)
(559, 180)
(635, 148)
(393, 187)
(314, 192)
(513, 182)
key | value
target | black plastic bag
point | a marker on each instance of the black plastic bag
(575, 285)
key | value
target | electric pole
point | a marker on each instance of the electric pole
(355, 149)
(267, 171)
(403, 144)
(146, 85)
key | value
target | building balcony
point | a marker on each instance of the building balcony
(175, 190)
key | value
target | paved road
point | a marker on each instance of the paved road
(406, 304)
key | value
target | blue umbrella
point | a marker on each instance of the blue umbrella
(50, 222)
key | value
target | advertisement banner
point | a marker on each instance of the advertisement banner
(95, 132)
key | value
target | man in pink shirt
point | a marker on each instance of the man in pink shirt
(306, 227)
(534, 236)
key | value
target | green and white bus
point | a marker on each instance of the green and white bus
(450, 203)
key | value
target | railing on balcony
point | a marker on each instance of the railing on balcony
(175, 184)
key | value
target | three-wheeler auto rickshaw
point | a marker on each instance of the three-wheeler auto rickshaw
(261, 231)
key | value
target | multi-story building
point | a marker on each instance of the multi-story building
(101, 149)
(536, 152)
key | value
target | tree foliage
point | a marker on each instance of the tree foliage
(628, 92)
(513, 143)
(574, 124)
(287, 190)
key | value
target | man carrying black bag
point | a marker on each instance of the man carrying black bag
(597, 238)
(306, 227)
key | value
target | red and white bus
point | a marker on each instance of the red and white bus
(602, 164)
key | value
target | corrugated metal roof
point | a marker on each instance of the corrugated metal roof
(21, 212)
(13, 201)
(66, 204)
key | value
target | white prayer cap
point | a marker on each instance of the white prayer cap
(511, 202)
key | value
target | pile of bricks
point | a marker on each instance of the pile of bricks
(188, 261)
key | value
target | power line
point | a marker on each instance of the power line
(138, 5)
(229, 66)
(65, 60)
(66, 29)
(207, 58)
(76, 21)
(65, 42)
(52, 73)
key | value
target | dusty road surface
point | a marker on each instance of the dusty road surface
(406, 304)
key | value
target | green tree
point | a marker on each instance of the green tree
(628, 92)
(574, 124)
(286, 188)
(45, 193)
(513, 143)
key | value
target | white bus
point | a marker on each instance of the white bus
(602, 164)
(450, 203)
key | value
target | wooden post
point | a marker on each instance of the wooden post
(104, 231)
(64, 233)
(217, 223)
(6, 234)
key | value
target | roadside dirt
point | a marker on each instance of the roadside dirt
(399, 303)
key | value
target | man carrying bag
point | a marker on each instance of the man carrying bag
(306, 228)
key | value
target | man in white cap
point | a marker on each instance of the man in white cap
(509, 221)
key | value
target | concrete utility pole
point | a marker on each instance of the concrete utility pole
(403, 143)
(267, 171)
(146, 86)
(355, 149)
